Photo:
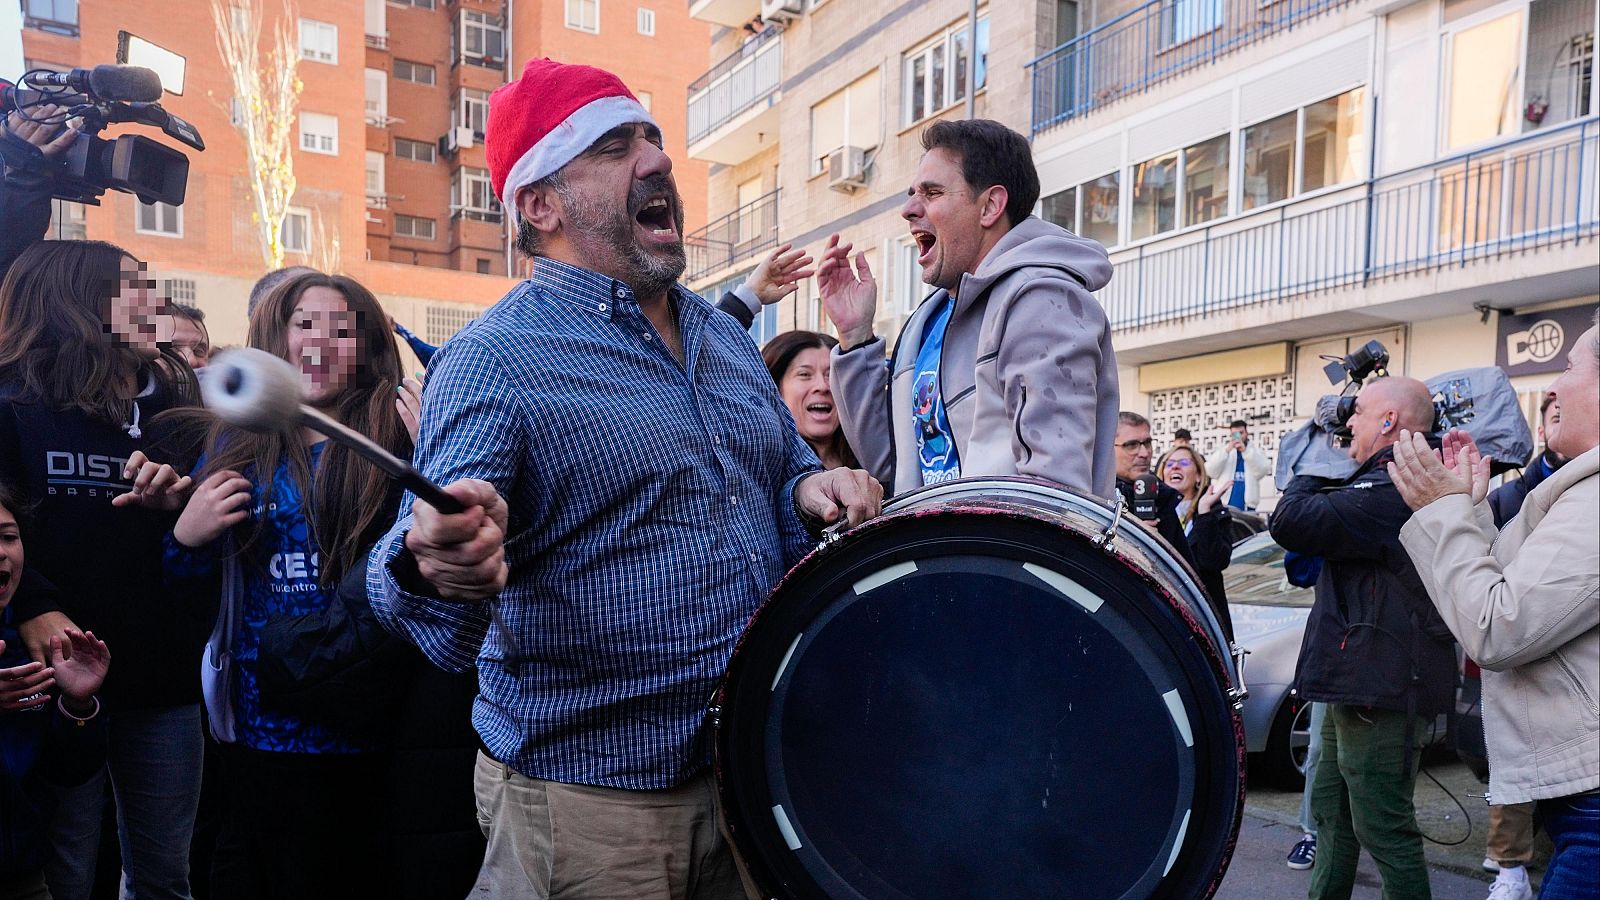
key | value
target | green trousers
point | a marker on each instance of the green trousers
(1362, 798)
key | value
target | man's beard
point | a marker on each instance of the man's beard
(648, 273)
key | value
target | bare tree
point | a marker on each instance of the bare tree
(266, 93)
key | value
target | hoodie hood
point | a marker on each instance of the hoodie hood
(1034, 243)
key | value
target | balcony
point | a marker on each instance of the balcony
(733, 109)
(1152, 43)
(378, 41)
(1537, 191)
(747, 231)
(731, 13)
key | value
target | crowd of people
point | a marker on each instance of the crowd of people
(293, 680)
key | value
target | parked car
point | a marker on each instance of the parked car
(1245, 524)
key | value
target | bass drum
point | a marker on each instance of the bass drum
(998, 688)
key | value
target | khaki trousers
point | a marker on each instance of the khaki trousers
(1510, 834)
(553, 840)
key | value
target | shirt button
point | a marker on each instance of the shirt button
(604, 307)
(734, 500)
(621, 294)
(716, 439)
(754, 557)
(645, 335)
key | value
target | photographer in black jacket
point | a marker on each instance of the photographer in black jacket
(1375, 650)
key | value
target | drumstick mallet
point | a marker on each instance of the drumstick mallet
(256, 391)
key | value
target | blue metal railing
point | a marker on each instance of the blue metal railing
(738, 82)
(1149, 44)
(1534, 191)
(735, 237)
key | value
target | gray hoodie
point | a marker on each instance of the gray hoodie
(1028, 376)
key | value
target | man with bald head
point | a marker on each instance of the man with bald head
(1375, 650)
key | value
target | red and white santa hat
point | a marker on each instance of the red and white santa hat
(543, 120)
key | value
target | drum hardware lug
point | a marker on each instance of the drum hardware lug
(714, 713)
(832, 533)
(1106, 537)
(1241, 691)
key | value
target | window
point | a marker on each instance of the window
(159, 218)
(416, 73)
(296, 233)
(1061, 209)
(374, 177)
(1185, 20)
(483, 266)
(377, 22)
(414, 227)
(584, 15)
(935, 75)
(182, 290)
(1483, 68)
(482, 40)
(57, 16)
(1320, 145)
(1102, 209)
(646, 99)
(1155, 196)
(909, 275)
(472, 110)
(377, 99)
(419, 4)
(67, 221)
(319, 133)
(1198, 172)
(849, 118)
(647, 22)
(319, 41)
(472, 193)
(1205, 180)
(416, 151)
(1558, 72)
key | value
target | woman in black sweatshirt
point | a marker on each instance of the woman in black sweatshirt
(84, 367)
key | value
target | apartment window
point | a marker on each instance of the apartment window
(1061, 209)
(377, 99)
(319, 133)
(472, 110)
(419, 4)
(1313, 147)
(1101, 209)
(483, 42)
(159, 218)
(319, 41)
(1198, 173)
(67, 221)
(1205, 180)
(584, 15)
(415, 72)
(1185, 20)
(909, 275)
(849, 118)
(1155, 196)
(374, 175)
(376, 21)
(416, 151)
(296, 232)
(483, 266)
(57, 16)
(415, 227)
(182, 290)
(1483, 68)
(647, 22)
(935, 74)
(473, 194)
(646, 99)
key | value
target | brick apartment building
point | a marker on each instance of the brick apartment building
(392, 184)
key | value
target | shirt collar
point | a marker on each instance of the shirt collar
(585, 288)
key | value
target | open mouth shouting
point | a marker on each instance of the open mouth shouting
(820, 411)
(656, 220)
(925, 245)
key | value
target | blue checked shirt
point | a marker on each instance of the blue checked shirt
(651, 509)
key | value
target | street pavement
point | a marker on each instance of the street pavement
(1269, 830)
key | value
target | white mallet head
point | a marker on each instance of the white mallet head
(253, 389)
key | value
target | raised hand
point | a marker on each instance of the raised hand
(1421, 476)
(779, 275)
(1216, 492)
(219, 503)
(462, 554)
(80, 662)
(155, 485)
(850, 297)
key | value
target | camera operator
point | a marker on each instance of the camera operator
(29, 150)
(1375, 650)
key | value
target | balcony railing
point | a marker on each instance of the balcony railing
(1150, 44)
(378, 41)
(735, 84)
(737, 236)
(1534, 191)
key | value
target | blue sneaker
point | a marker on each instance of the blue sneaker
(1304, 854)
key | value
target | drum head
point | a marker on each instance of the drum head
(977, 704)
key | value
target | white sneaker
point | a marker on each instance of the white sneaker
(1505, 888)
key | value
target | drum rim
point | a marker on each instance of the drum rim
(1219, 662)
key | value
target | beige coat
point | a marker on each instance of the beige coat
(1525, 605)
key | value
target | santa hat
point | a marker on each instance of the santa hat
(546, 118)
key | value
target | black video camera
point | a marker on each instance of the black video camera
(1371, 358)
(95, 98)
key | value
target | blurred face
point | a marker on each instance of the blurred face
(190, 340)
(10, 556)
(137, 316)
(1574, 427)
(1181, 471)
(1372, 427)
(1133, 451)
(805, 389)
(944, 213)
(323, 339)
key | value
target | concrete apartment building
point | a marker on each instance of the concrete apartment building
(1276, 180)
(392, 184)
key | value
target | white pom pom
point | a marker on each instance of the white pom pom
(252, 389)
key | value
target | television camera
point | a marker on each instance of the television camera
(1371, 358)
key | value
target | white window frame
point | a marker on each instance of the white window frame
(376, 107)
(433, 151)
(378, 190)
(483, 25)
(412, 221)
(1447, 49)
(1172, 36)
(912, 289)
(646, 21)
(1297, 186)
(173, 217)
(300, 213)
(466, 100)
(413, 68)
(819, 161)
(646, 99)
(577, 22)
(464, 180)
(326, 144)
(319, 41)
(947, 40)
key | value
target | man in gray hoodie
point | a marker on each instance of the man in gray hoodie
(1006, 368)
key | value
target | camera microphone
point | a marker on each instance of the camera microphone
(106, 82)
(1145, 488)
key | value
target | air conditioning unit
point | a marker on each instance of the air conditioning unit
(457, 138)
(782, 10)
(847, 169)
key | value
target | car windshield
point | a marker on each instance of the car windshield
(1256, 577)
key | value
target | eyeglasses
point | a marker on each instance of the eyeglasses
(1133, 446)
(1179, 462)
